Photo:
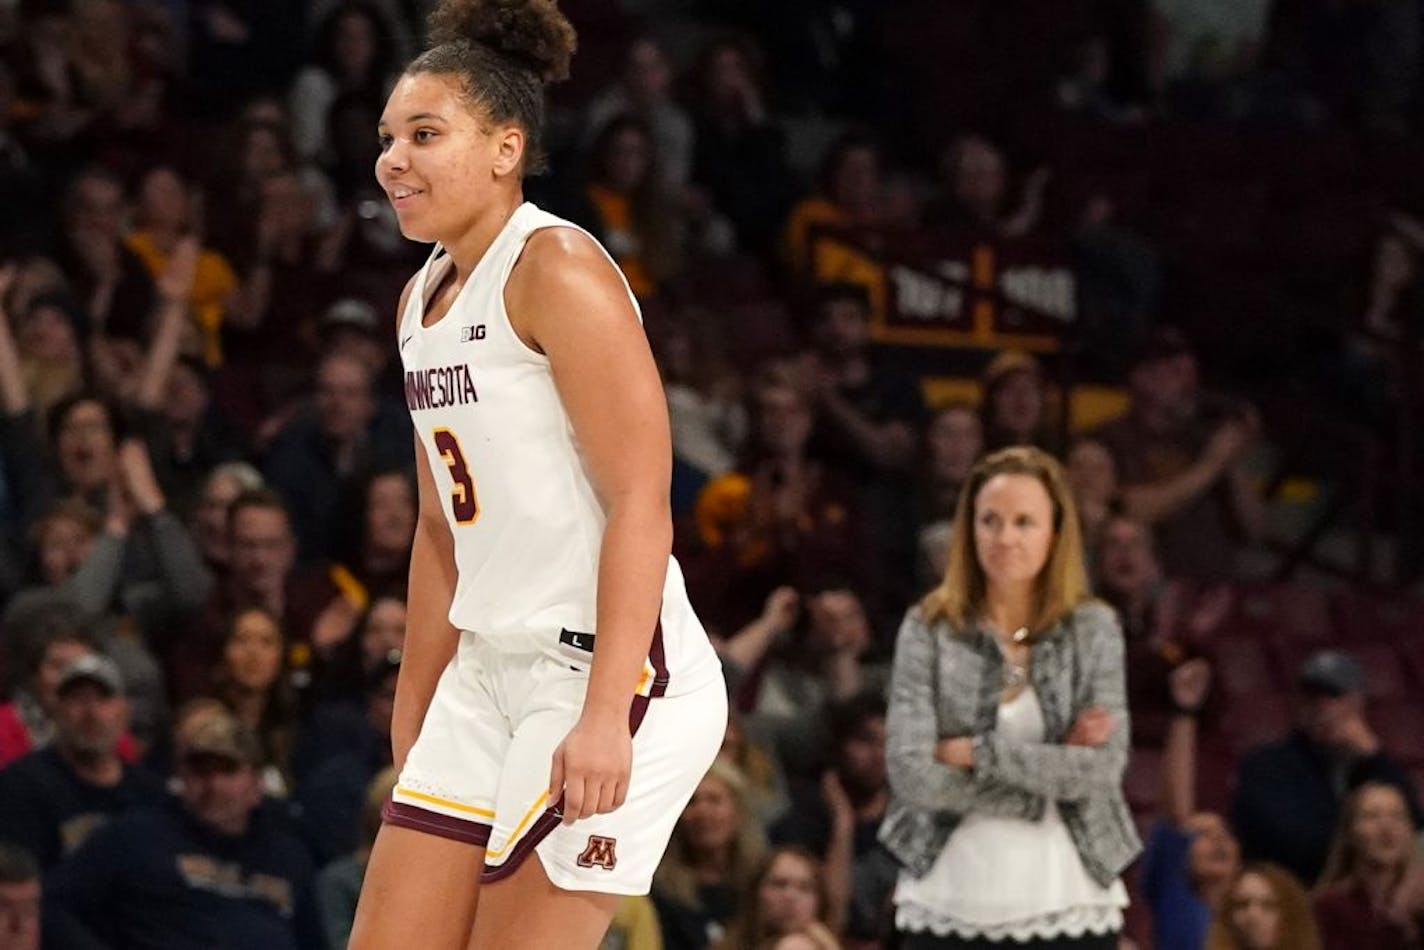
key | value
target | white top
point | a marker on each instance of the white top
(1008, 878)
(527, 526)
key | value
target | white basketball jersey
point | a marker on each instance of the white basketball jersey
(526, 523)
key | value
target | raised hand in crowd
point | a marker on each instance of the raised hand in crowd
(779, 496)
(138, 480)
(175, 285)
(747, 646)
(335, 624)
(840, 849)
(1210, 610)
(1232, 438)
(175, 289)
(118, 510)
(134, 491)
(1189, 684)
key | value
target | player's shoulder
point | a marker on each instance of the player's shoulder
(560, 263)
(556, 246)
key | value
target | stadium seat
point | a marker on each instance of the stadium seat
(1364, 615)
(1142, 783)
(1250, 720)
(1283, 611)
(1242, 666)
(1399, 723)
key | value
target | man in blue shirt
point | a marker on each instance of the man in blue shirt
(212, 869)
(1289, 793)
(52, 799)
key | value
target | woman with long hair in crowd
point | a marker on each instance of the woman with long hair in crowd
(1265, 909)
(787, 896)
(251, 681)
(714, 854)
(1371, 893)
(377, 639)
(1007, 733)
(354, 56)
(379, 530)
(636, 217)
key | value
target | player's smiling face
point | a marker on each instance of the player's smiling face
(439, 157)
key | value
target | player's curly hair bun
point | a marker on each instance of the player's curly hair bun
(533, 32)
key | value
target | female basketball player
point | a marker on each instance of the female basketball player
(558, 700)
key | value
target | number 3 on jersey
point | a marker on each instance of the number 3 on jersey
(463, 503)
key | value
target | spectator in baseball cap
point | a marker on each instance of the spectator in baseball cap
(54, 798)
(1289, 794)
(209, 868)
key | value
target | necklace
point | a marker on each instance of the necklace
(1014, 675)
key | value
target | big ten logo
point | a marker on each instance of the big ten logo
(600, 852)
(472, 333)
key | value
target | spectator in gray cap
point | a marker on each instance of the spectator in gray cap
(210, 867)
(52, 799)
(353, 327)
(1289, 793)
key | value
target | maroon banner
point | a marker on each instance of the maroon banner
(951, 290)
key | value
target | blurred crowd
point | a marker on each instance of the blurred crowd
(207, 494)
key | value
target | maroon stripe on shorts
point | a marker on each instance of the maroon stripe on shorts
(433, 823)
(546, 823)
(636, 712)
(658, 658)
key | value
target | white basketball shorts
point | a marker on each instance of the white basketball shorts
(479, 771)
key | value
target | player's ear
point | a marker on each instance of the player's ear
(509, 150)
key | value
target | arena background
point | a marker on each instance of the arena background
(1049, 221)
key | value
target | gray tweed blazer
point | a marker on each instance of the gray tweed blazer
(946, 685)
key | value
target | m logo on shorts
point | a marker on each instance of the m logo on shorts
(599, 853)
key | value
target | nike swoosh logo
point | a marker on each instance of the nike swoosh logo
(406, 340)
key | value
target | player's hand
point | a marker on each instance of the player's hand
(591, 767)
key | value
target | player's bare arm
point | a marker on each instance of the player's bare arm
(566, 299)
